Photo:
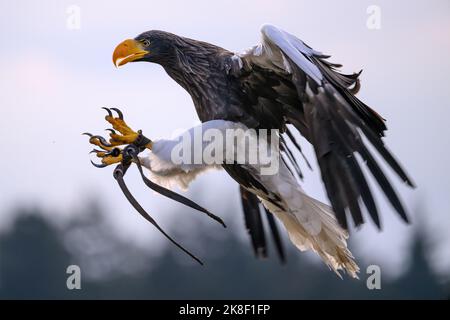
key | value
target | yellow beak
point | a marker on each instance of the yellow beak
(127, 51)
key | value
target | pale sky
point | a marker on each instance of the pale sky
(54, 81)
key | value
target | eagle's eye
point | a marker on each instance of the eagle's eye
(145, 42)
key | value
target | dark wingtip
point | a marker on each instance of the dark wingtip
(401, 211)
(358, 224)
(407, 220)
(376, 219)
(200, 262)
(219, 220)
(379, 226)
(410, 183)
(276, 236)
(342, 220)
(214, 217)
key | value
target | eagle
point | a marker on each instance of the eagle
(281, 84)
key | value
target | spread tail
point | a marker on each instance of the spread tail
(311, 225)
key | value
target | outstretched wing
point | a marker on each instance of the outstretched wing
(284, 75)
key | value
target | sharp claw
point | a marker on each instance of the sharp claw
(95, 151)
(102, 141)
(108, 110)
(111, 130)
(119, 113)
(98, 165)
(87, 134)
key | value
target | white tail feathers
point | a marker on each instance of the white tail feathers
(311, 225)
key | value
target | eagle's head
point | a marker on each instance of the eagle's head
(151, 46)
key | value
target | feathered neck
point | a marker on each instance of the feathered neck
(191, 63)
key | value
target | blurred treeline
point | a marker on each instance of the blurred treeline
(35, 253)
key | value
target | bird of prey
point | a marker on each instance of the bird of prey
(285, 85)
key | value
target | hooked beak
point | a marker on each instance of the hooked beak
(127, 51)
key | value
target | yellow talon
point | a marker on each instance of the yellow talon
(100, 154)
(127, 135)
(110, 154)
(120, 125)
(117, 139)
(97, 142)
(108, 160)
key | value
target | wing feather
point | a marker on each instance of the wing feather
(253, 222)
(319, 102)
